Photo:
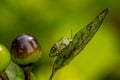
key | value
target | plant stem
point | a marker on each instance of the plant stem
(4, 76)
(53, 72)
(51, 77)
(27, 71)
(27, 75)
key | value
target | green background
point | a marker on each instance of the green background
(49, 20)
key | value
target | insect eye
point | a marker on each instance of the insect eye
(54, 47)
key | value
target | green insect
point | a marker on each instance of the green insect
(59, 46)
(67, 49)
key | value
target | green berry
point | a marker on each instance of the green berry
(25, 50)
(4, 58)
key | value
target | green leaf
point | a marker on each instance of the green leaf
(11, 71)
(14, 72)
(20, 74)
(80, 40)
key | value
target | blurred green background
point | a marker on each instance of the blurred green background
(49, 20)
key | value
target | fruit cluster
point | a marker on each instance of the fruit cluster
(25, 51)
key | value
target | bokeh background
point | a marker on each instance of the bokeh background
(49, 20)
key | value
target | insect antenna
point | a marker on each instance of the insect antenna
(71, 33)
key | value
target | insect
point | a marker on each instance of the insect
(65, 54)
(59, 46)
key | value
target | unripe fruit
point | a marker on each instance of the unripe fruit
(25, 50)
(4, 58)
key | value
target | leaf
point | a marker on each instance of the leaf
(14, 72)
(11, 71)
(20, 74)
(80, 40)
